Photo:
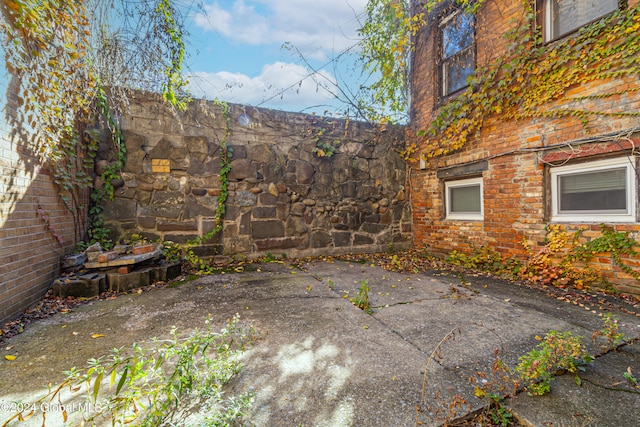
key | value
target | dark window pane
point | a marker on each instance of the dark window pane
(457, 34)
(465, 199)
(458, 62)
(456, 71)
(599, 191)
(568, 15)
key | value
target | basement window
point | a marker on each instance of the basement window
(463, 199)
(561, 17)
(599, 191)
(457, 50)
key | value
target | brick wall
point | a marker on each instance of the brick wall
(518, 156)
(29, 252)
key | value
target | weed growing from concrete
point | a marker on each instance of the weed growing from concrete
(361, 300)
(628, 375)
(610, 333)
(557, 352)
(174, 381)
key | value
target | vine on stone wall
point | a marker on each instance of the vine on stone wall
(524, 83)
(186, 250)
(56, 78)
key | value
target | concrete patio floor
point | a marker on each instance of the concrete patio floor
(324, 362)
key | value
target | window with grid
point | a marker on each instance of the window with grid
(457, 35)
(561, 17)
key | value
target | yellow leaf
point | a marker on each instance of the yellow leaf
(479, 392)
(97, 335)
(10, 357)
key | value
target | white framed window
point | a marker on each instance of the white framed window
(561, 17)
(457, 51)
(596, 191)
(464, 199)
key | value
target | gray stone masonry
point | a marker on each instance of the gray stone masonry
(299, 184)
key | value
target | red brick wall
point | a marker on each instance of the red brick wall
(29, 252)
(515, 193)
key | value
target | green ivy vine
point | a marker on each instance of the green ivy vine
(613, 242)
(186, 250)
(96, 230)
(522, 84)
(56, 77)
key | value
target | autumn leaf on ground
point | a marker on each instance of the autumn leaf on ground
(10, 357)
(97, 335)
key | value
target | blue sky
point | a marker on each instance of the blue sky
(236, 54)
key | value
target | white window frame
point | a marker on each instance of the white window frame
(632, 192)
(549, 36)
(473, 216)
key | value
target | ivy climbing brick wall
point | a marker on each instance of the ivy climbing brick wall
(35, 228)
(514, 156)
(298, 185)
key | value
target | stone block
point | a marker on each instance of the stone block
(264, 212)
(267, 199)
(282, 243)
(349, 189)
(320, 239)
(71, 262)
(165, 272)
(198, 146)
(125, 282)
(177, 226)
(238, 151)
(304, 172)
(373, 228)
(267, 229)
(246, 198)
(242, 169)
(168, 198)
(261, 153)
(85, 286)
(147, 222)
(207, 250)
(361, 239)
(341, 238)
(120, 209)
(195, 205)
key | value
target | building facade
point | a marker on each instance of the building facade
(525, 114)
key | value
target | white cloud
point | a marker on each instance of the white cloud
(279, 85)
(316, 27)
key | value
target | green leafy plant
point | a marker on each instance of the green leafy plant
(618, 244)
(60, 56)
(361, 300)
(556, 352)
(325, 148)
(628, 375)
(610, 332)
(172, 381)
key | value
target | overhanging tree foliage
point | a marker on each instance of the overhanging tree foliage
(72, 64)
(534, 73)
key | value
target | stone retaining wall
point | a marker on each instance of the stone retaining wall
(284, 196)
